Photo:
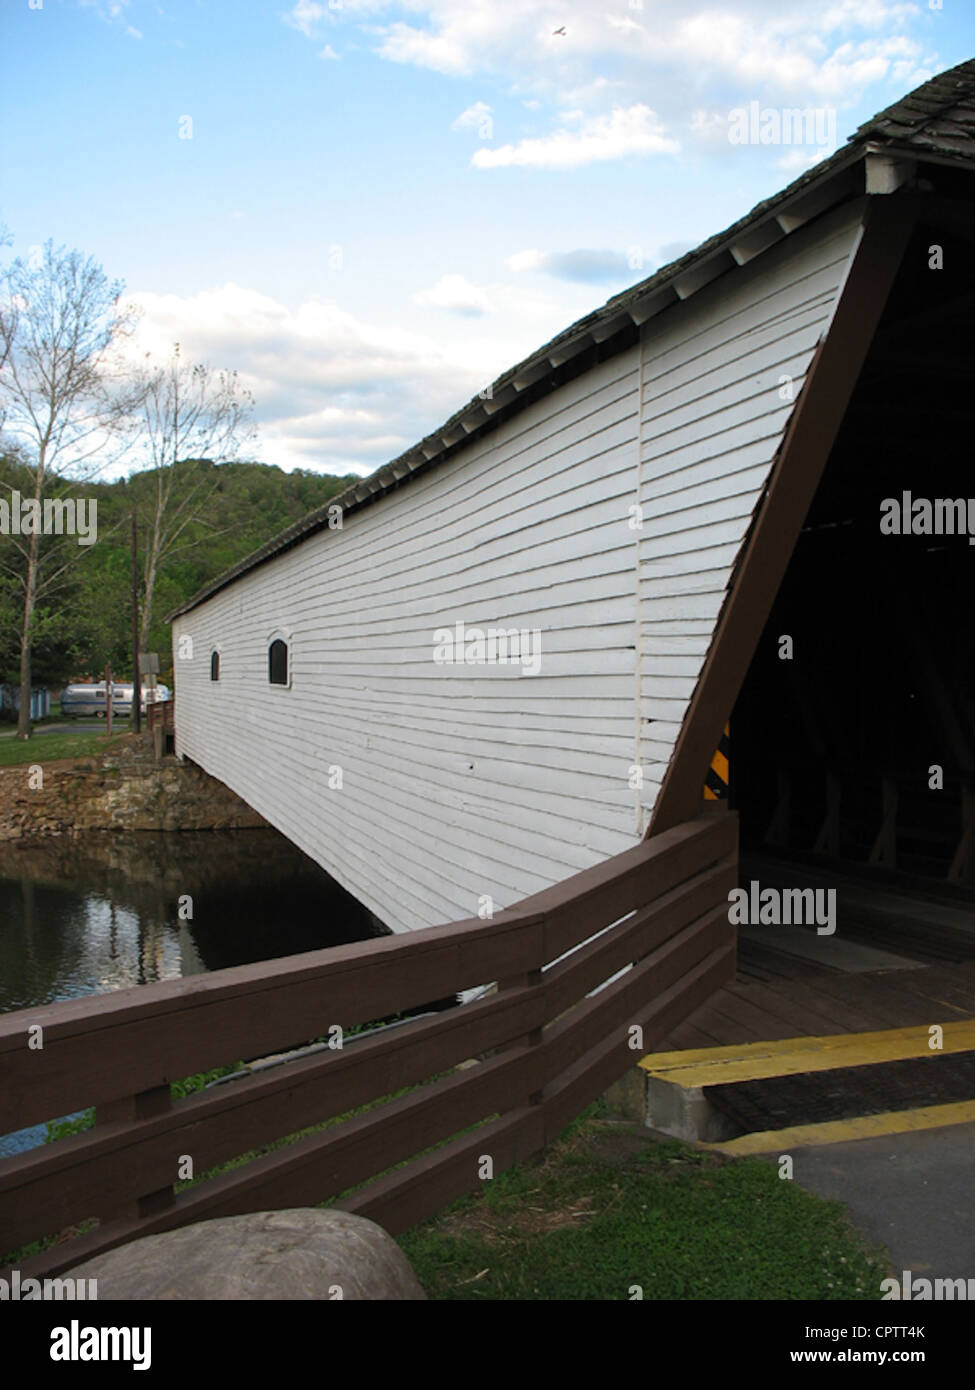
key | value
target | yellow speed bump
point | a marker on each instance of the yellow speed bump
(837, 1131)
(721, 1066)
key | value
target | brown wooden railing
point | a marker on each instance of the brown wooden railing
(161, 721)
(544, 1045)
(160, 714)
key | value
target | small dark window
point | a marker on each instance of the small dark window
(214, 666)
(277, 662)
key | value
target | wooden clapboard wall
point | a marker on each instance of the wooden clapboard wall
(714, 410)
(463, 784)
(458, 783)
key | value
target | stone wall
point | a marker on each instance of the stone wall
(124, 790)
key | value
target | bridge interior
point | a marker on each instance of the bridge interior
(853, 740)
(852, 765)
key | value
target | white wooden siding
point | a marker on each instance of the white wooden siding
(458, 781)
(474, 782)
(711, 422)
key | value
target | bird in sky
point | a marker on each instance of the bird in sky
(559, 31)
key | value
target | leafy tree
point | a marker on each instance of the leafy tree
(88, 620)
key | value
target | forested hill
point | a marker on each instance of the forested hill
(87, 619)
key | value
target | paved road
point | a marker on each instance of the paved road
(911, 1192)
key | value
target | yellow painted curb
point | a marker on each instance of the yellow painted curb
(862, 1127)
(718, 1066)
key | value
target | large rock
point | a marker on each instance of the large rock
(302, 1253)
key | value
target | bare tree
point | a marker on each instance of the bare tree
(8, 315)
(60, 400)
(188, 412)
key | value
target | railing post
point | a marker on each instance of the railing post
(527, 979)
(531, 979)
(145, 1105)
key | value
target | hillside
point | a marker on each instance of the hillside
(86, 620)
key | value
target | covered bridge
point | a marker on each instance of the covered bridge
(738, 491)
(729, 510)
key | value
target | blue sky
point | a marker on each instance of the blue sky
(380, 206)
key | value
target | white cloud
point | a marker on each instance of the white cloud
(444, 52)
(475, 117)
(306, 16)
(632, 130)
(661, 55)
(332, 392)
(329, 53)
(340, 394)
(709, 127)
(456, 294)
(796, 161)
(531, 259)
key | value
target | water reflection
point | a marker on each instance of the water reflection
(100, 912)
(97, 913)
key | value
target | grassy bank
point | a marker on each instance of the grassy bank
(49, 748)
(609, 1213)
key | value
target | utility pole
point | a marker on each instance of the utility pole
(108, 699)
(136, 691)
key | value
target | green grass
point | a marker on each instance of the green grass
(48, 748)
(8, 721)
(607, 1208)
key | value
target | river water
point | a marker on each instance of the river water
(99, 912)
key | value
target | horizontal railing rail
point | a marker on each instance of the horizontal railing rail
(638, 941)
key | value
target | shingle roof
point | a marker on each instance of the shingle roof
(937, 118)
(936, 122)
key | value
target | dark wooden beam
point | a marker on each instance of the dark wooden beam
(883, 853)
(795, 476)
(962, 868)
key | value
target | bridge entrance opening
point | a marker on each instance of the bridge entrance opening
(853, 738)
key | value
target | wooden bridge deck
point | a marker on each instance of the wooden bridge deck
(798, 985)
(814, 1003)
